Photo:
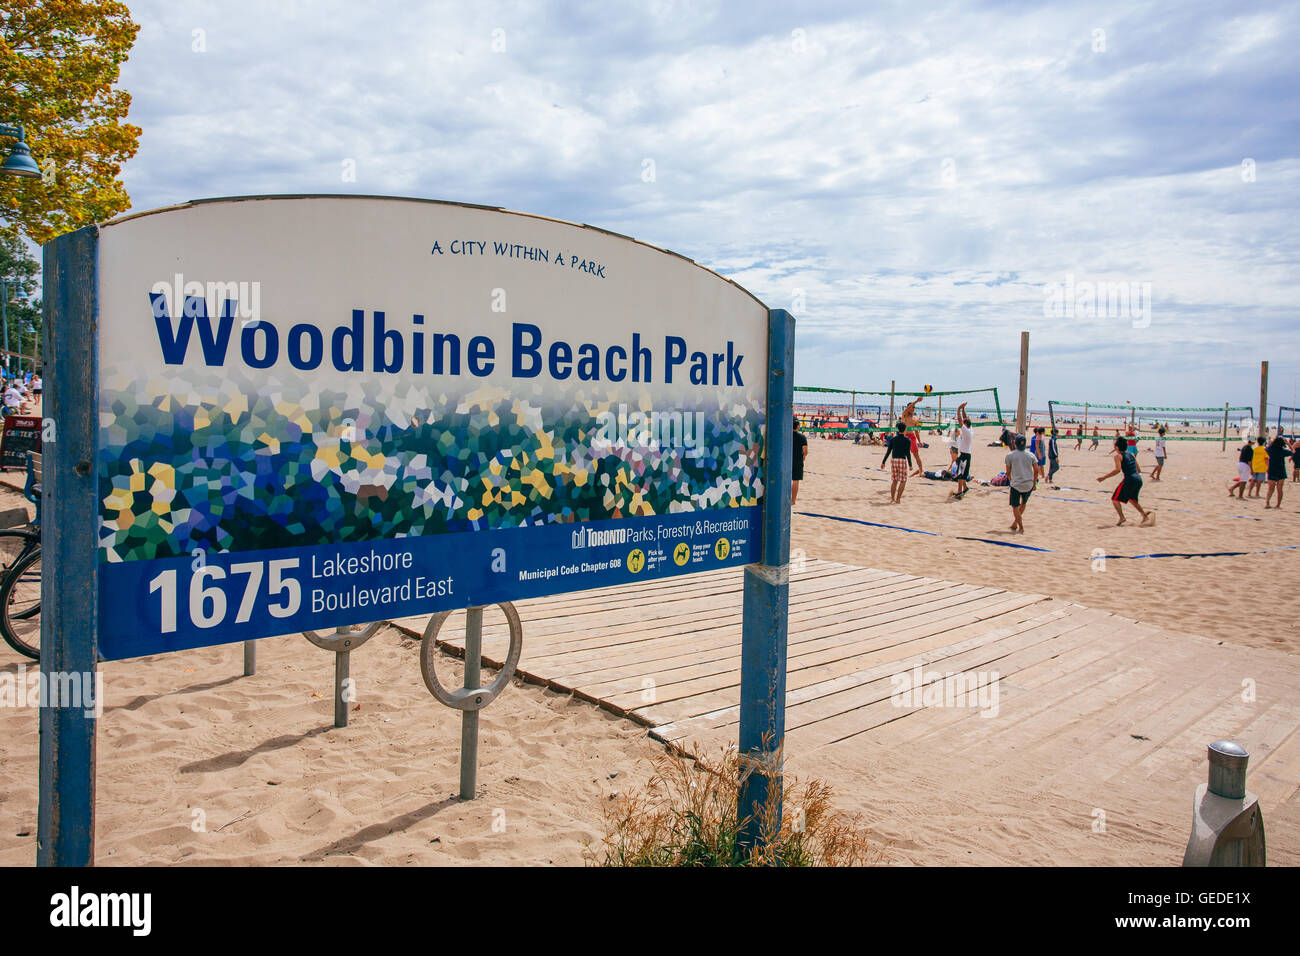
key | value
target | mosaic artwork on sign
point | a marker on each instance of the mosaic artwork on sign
(318, 411)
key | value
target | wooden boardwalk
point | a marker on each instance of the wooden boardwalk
(1079, 705)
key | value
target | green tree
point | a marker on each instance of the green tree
(22, 311)
(59, 61)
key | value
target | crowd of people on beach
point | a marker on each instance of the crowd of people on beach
(21, 393)
(1036, 457)
(1260, 464)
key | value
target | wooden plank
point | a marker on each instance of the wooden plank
(716, 634)
(1026, 718)
(665, 709)
(720, 717)
(831, 721)
(681, 630)
(613, 630)
(810, 646)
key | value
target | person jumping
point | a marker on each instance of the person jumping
(965, 441)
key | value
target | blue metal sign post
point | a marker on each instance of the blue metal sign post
(70, 576)
(767, 601)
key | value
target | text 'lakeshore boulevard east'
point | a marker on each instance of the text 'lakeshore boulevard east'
(417, 587)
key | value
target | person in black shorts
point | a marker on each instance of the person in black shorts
(1023, 472)
(1278, 453)
(1130, 485)
(799, 452)
(965, 442)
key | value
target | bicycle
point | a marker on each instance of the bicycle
(20, 574)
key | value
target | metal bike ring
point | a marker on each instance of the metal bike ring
(343, 638)
(466, 698)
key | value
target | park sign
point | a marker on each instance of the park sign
(318, 411)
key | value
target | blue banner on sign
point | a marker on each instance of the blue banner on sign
(171, 604)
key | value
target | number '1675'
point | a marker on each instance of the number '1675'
(207, 599)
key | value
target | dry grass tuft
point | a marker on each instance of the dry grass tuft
(686, 816)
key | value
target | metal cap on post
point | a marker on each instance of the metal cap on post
(1228, 769)
(1227, 822)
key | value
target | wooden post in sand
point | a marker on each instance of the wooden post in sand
(1263, 398)
(1022, 406)
(1224, 443)
(891, 402)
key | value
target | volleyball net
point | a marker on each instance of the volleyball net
(840, 412)
(1181, 423)
(1288, 419)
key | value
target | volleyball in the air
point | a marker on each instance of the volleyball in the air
(929, 389)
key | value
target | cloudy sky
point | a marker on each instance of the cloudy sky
(917, 182)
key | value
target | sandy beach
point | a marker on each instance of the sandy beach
(1227, 598)
(198, 764)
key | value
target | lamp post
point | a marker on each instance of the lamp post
(36, 353)
(19, 162)
(4, 314)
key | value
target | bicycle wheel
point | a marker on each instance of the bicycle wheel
(20, 606)
(13, 542)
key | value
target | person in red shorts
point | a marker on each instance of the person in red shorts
(914, 445)
(1130, 487)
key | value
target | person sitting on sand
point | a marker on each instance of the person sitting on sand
(1278, 453)
(901, 450)
(1131, 484)
(950, 473)
(1022, 475)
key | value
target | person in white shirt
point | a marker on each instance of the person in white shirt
(1160, 455)
(13, 399)
(965, 441)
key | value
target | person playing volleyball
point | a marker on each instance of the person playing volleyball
(908, 417)
(1130, 485)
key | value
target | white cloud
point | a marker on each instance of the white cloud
(921, 175)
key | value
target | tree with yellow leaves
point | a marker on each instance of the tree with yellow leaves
(59, 61)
